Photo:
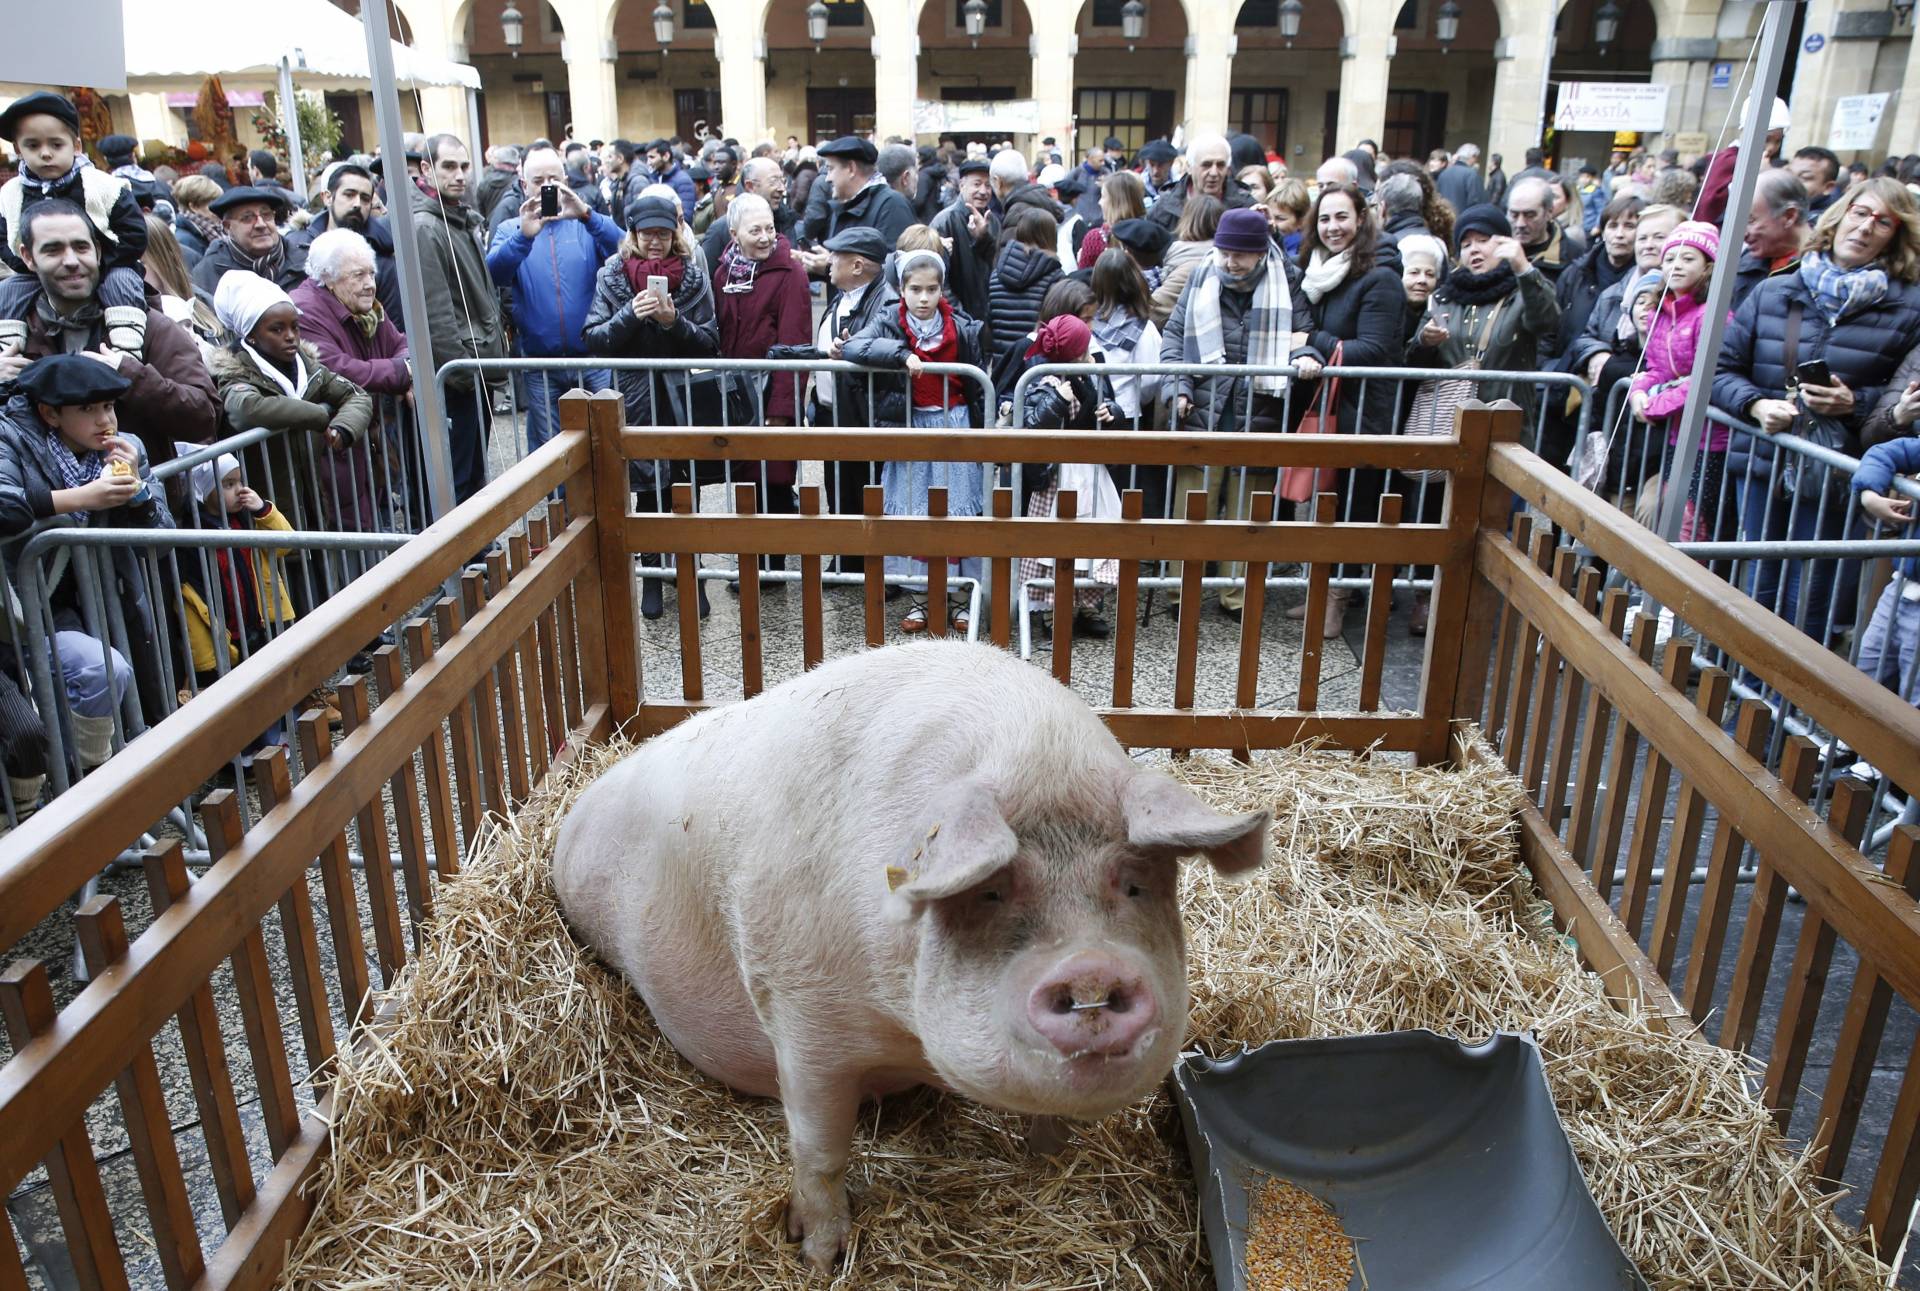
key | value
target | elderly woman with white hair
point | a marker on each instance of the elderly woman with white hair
(341, 316)
(761, 300)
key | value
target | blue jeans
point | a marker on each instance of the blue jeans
(540, 394)
(1892, 638)
(96, 676)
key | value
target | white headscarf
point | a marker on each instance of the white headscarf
(242, 297)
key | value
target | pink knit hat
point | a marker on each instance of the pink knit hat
(1698, 234)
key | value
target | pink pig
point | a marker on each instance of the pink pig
(923, 865)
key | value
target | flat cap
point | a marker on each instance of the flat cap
(974, 166)
(39, 103)
(67, 380)
(852, 148)
(1156, 150)
(244, 194)
(652, 213)
(119, 145)
(860, 240)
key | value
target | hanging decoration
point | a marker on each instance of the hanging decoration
(213, 116)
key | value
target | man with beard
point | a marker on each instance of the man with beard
(972, 230)
(667, 170)
(463, 316)
(1156, 167)
(1208, 160)
(350, 206)
(170, 397)
(764, 177)
(251, 240)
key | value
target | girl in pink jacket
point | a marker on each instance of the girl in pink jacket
(1659, 391)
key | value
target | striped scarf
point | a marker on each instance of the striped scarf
(1839, 292)
(1118, 331)
(1268, 321)
(76, 470)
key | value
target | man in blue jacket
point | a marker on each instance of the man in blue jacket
(550, 263)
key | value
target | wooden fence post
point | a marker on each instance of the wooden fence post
(1465, 607)
(603, 417)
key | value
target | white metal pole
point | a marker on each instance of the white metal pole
(429, 418)
(1746, 176)
(290, 122)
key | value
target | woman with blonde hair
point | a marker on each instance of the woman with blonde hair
(194, 223)
(1853, 304)
(1123, 196)
(167, 272)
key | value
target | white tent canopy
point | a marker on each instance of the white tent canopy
(192, 39)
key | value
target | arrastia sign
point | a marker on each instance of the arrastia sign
(1610, 105)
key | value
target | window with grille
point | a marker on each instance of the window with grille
(1122, 113)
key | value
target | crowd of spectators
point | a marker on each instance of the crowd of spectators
(208, 302)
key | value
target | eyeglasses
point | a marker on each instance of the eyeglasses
(1865, 215)
(255, 216)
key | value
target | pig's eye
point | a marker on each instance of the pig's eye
(991, 894)
(1135, 890)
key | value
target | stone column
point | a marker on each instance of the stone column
(896, 75)
(1521, 58)
(1850, 32)
(1366, 58)
(1685, 66)
(1906, 101)
(1053, 47)
(590, 86)
(1209, 90)
(742, 51)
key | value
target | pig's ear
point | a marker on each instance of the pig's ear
(1163, 816)
(964, 841)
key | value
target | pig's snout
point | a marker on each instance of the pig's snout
(1091, 1004)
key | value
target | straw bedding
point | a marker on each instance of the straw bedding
(522, 1123)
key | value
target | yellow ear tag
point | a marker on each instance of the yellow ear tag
(895, 877)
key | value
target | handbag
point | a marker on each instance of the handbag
(1823, 431)
(1300, 483)
(709, 397)
(1435, 402)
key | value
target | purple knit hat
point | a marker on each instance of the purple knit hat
(1244, 229)
(1698, 234)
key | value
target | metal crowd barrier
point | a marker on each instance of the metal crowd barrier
(1775, 515)
(1232, 490)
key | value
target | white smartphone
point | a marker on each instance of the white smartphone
(657, 284)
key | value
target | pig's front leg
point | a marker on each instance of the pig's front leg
(822, 1104)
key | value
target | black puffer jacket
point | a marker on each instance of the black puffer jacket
(613, 330)
(1862, 350)
(1021, 277)
(1363, 316)
(883, 344)
(1578, 291)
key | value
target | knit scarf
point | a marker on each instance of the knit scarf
(935, 340)
(672, 268)
(269, 266)
(737, 270)
(369, 322)
(1839, 292)
(1325, 272)
(1268, 321)
(38, 189)
(209, 229)
(1118, 331)
(76, 470)
(1468, 288)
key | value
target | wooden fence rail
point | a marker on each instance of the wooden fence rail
(501, 676)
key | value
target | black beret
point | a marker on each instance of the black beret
(698, 174)
(860, 240)
(1157, 150)
(653, 213)
(852, 148)
(1070, 185)
(974, 166)
(243, 194)
(1144, 237)
(66, 380)
(375, 167)
(119, 145)
(39, 103)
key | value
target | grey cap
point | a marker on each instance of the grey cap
(860, 240)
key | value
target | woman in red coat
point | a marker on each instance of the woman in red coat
(760, 295)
